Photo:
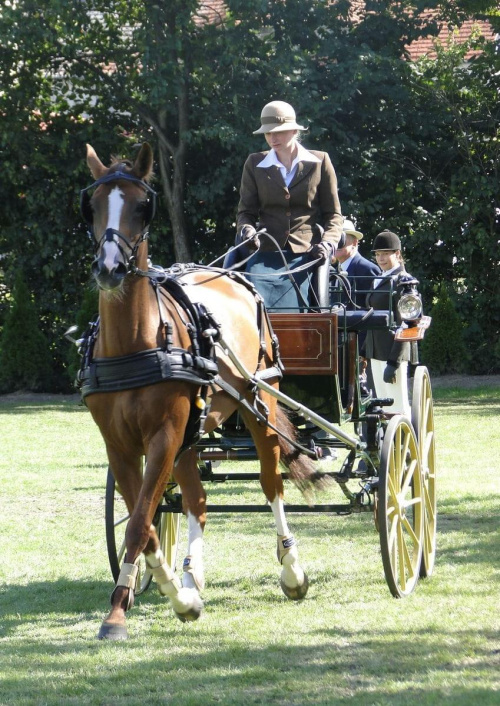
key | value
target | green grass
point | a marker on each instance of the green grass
(348, 641)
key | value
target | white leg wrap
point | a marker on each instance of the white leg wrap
(128, 576)
(193, 576)
(182, 599)
(292, 573)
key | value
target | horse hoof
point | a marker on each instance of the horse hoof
(295, 593)
(110, 631)
(192, 613)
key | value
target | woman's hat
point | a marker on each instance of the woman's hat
(277, 116)
(386, 241)
(349, 229)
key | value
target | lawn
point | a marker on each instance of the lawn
(348, 641)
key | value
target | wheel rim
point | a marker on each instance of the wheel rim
(400, 507)
(422, 414)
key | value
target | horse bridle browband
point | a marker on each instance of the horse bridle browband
(115, 176)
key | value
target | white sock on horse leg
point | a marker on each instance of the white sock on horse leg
(278, 508)
(194, 576)
(292, 573)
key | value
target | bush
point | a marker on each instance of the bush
(25, 359)
(443, 349)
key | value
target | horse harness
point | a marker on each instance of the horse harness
(198, 366)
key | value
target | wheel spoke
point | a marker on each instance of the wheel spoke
(121, 552)
(393, 493)
(406, 561)
(414, 539)
(404, 451)
(426, 447)
(429, 506)
(123, 519)
(401, 562)
(393, 532)
(409, 477)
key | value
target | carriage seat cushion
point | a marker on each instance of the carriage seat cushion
(364, 320)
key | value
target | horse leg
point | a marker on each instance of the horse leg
(141, 536)
(184, 597)
(194, 506)
(294, 581)
(128, 476)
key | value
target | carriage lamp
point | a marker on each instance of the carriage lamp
(410, 307)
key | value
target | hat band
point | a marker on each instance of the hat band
(276, 119)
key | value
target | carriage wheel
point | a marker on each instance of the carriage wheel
(167, 526)
(400, 507)
(422, 417)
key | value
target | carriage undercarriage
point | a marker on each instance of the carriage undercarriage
(388, 458)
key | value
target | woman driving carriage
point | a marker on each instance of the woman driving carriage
(291, 193)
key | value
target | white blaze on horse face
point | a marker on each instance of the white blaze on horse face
(115, 207)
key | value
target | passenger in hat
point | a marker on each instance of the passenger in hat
(291, 192)
(359, 270)
(389, 358)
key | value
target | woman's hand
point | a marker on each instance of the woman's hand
(322, 251)
(250, 237)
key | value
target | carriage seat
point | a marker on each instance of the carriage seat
(363, 320)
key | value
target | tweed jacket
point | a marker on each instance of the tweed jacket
(291, 214)
(380, 344)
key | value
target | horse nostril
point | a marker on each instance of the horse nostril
(108, 277)
(120, 270)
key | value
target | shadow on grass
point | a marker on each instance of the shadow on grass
(40, 408)
(210, 662)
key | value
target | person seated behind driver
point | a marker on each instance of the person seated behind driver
(388, 358)
(359, 270)
(291, 192)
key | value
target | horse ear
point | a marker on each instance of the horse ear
(97, 168)
(143, 165)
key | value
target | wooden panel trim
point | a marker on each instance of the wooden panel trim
(308, 342)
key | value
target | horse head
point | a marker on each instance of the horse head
(118, 212)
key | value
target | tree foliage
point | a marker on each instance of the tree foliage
(415, 144)
(25, 359)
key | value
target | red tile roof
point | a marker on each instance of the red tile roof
(214, 11)
(457, 35)
(211, 11)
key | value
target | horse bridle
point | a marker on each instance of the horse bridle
(110, 233)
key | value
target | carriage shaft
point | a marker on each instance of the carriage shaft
(310, 416)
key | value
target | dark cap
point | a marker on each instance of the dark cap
(386, 241)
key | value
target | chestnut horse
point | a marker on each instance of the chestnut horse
(150, 420)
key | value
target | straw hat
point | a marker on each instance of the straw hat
(349, 229)
(278, 116)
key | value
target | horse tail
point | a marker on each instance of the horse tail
(301, 468)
